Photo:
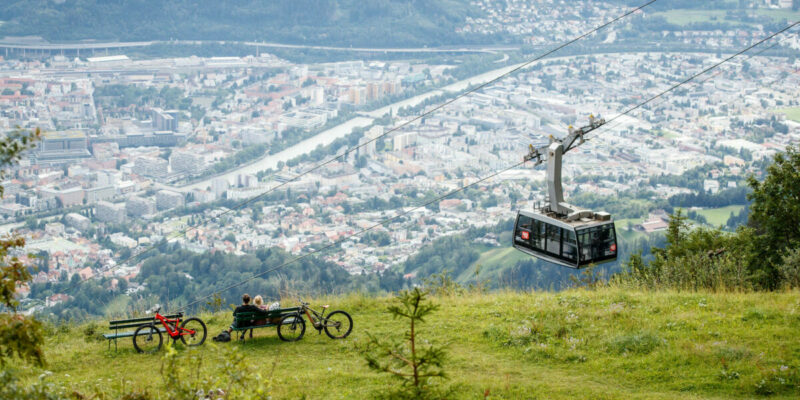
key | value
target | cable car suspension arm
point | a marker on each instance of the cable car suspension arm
(554, 151)
(573, 139)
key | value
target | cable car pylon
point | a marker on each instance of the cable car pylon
(560, 232)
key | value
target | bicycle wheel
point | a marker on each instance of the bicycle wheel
(291, 328)
(199, 335)
(147, 339)
(338, 325)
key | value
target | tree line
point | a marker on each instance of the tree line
(764, 254)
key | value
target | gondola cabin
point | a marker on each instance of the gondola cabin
(560, 232)
(574, 244)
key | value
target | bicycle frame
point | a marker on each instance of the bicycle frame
(316, 322)
(178, 330)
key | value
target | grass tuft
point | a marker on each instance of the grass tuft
(640, 343)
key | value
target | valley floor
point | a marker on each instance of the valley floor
(585, 344)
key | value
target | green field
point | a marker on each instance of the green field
(492, 262)
(623, 232)
(671, 135)
(792, 113)
(779, 15)
(684, 17)
(578, 344)
(719, 216)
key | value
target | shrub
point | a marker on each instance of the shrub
(12, 388)
(778, 380)
(697, 259)
(640, 343)
(443, 284)
(790, 269)
(235, 378)
(91, 332)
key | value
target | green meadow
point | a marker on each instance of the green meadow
(608, 343)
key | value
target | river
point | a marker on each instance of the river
(328, 136)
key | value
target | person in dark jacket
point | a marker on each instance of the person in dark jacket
(245, 307)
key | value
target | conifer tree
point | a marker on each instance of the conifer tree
(415, 365)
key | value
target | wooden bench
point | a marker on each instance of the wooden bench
(244, 321)
(119, 324)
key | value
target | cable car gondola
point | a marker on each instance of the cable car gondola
(560, 232)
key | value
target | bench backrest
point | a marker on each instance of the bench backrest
(134, 322)
(248, 316)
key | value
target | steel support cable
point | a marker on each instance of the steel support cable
(337, 242)
(402, 125)
(439, 198)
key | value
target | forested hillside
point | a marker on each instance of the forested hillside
(176, 277)
(345, 23)
(377, 23)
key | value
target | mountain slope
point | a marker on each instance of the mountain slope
(346, 22)
(607, 343)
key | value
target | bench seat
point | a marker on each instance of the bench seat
(118, 335)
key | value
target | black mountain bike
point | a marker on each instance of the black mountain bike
(337, 325)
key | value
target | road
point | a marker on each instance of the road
(462, 49)
(91, 45)
(26, 45)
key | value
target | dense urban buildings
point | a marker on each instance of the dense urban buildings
(135, 151)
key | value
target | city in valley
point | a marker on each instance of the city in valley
(136, 151)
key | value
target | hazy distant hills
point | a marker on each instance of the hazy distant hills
(330, 22)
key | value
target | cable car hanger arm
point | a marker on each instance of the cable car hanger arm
(573, 139)
(554, 152)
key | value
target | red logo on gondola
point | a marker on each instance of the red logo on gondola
(614, 247)
(526, 235)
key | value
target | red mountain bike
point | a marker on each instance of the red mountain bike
(147, 338)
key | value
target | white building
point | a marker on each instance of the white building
(187, 162)
(109, 212)
(78, 221)
(138, 206)
(304, 120)
(404, 140)
(711, 185)
(167, 199)
(151, 167)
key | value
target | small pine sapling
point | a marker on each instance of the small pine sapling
(417, 366)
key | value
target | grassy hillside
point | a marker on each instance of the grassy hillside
(603, 344)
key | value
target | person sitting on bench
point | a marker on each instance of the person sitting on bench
(245, 307)
(258, 301)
